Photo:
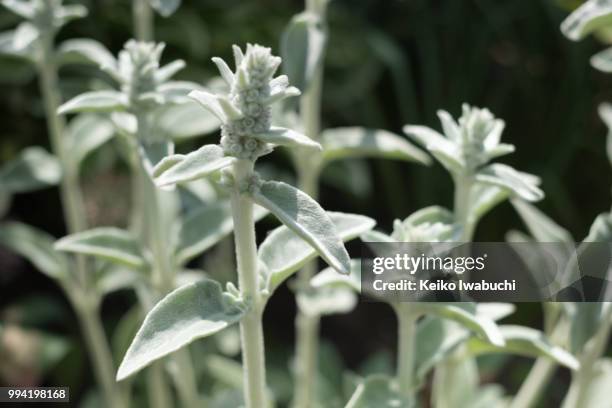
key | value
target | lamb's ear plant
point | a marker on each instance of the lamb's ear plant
(204, 308)
(34, 40)
(303, 49)
(446, 337)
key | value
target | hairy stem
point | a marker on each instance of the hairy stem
(74, 214)
(251, 330)
(407, 319)
(157, 389)
(143, 20)
(99, 351)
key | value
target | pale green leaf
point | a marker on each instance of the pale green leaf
(36, 246)
(605, 112)
(112, 244)
(22, 8)
(306, 218)
(484, 197)
(603, 60)
(378, 391)
(204, 227)
(350, 142)
(302, 48)
(527, 342)
(185, 315)
(283, 252)
(113, 277)
(465, 315)
(326, 300)
(86, 133)
(33, 169)
(7, 46)
(25, 36)
(287, 137)
(165, 8)
(86, 50)
(597, 390)
(520, 184)
(329, 278)
(540, 226)
(185, 121)
(200, 163)
(441, 148)
(96, 101)
(590, 16)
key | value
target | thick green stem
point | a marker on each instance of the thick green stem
(143, 20)
(251, 330)
(594, 349)
(407, 320)
(99, 351)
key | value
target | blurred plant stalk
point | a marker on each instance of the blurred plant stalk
(308, 172)
(85, 301)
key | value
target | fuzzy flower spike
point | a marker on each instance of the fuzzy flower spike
(246, 131)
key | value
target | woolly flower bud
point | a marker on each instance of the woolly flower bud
(480, 132)
(138, 64)
(245, 112)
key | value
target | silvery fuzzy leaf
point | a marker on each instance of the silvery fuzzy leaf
(540, 226)
(112, 277)
(350, 142)
(33, 169)
(378, 391)
(86, 50)
(305, 218)
(430, 215)
(495, 310)
(108, 243)
(211, 103)
(597, 390)
(166, 72)
(445, 151)
(224, 70)
(450, 128)
(7, 46)
(302, 48)
(520, 184)
(287, 137)
(177, 91)
(184, 121)
(189, 313)
(25, 35)
(465, 315)
(37, 247)
(527, 342)
(22, 8)
(283, 252)
(182, 168)
(165, 8)
(87, 132)
(125, 123)
(152, 152)
(329, 278)
(96, 101)
(204, 227)
(603, 60)
(67, 13)
(484, 197)
(605, 113)
(589, 17)
(326, 300)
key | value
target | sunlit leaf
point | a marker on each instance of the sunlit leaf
(33, 169)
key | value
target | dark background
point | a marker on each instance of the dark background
(388, 63)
